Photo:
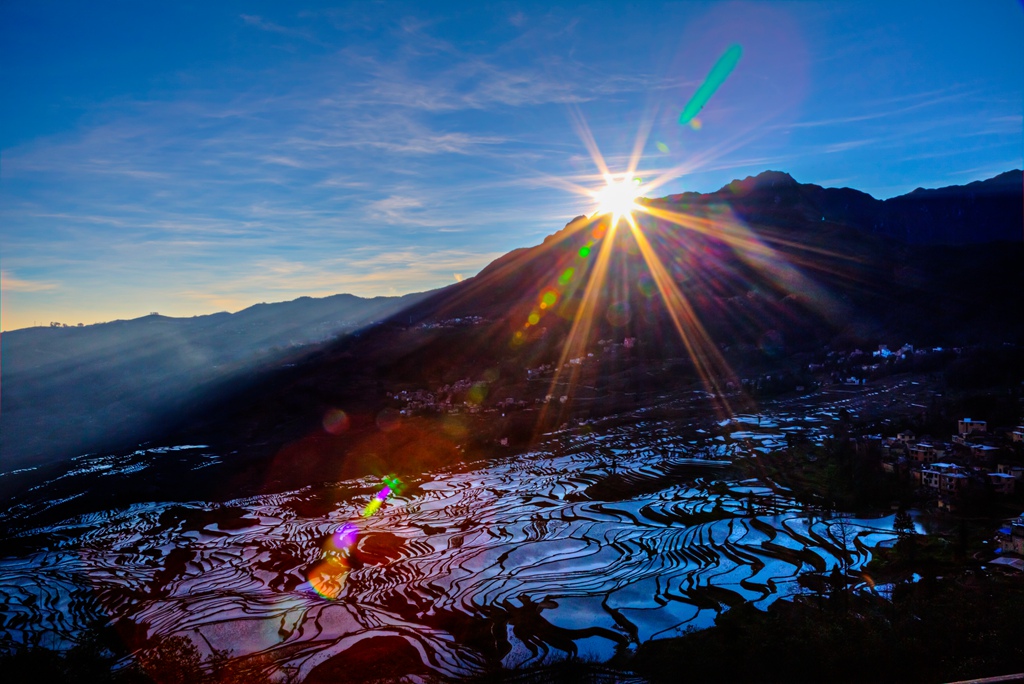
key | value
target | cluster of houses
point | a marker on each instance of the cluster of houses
(857, 366)
(461, 396)
(1011, 537)
(451, 398)
(459, 322)
(974, 456)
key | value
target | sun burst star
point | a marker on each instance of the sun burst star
(618, 198)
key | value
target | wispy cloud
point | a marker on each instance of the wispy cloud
(885, 109)
(262, 24)
(10, 283)
(397, 209)
(845, 145)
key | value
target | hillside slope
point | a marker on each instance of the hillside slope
(70, 390)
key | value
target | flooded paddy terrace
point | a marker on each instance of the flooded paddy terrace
(600, 540)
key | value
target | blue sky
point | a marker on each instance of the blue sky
(188, 158)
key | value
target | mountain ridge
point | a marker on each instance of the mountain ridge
(841, 269)
(909, 217)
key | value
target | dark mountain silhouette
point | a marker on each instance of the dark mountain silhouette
(746, 281)
(69, 390)
(979, 212)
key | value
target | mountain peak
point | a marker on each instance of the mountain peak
(765, 179)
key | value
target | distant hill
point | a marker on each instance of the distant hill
(71, 390)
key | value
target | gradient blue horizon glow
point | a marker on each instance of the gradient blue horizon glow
(189, 159)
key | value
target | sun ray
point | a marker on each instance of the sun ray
(569, 185)
(756, 253)
(579, 334)
(583, 130)
(638, 145)
(700, 161)
(708, 362)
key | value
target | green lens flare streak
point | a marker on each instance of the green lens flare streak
(716, 77)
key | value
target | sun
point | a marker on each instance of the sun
(618, 197)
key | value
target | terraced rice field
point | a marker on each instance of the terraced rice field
(600, 542)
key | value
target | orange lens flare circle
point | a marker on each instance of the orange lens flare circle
(328, 577)
(336, 421)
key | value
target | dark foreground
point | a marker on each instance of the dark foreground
(933, 630)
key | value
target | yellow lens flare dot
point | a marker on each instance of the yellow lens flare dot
(534, 319)
(372, 507)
